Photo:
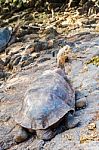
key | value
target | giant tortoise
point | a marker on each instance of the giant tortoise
(48, 103)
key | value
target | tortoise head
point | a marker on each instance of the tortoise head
(62, 56)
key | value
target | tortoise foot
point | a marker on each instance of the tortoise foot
(71, 122)
(45, 134)
(21, 135)
(81, 103)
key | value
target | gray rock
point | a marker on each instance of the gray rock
(43, 59)
(5, 36)
(16, 61)
(2, 74)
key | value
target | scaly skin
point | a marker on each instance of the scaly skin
(62, 56)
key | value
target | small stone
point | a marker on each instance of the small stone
(88, 137)
(50, 30)
(1, 64)
(91, 126)
(2, 74)
(39, 46)
(35, 55)
(16, 61)
(64, 24)
(14, 57)
(12, 19)
(43, 59)
(43, 45)
(92, 136)
(83, 138)
(24, 58)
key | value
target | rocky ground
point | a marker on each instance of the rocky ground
(33, 51)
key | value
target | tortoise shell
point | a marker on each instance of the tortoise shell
(49, 98)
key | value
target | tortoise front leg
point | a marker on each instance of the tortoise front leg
(80, 103)
(71, 121)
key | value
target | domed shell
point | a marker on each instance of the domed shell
(48, 99)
